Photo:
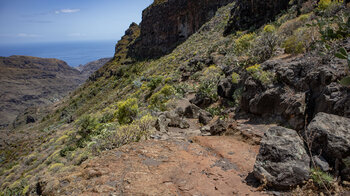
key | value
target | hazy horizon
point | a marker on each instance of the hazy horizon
(75, 53)
(54, 21)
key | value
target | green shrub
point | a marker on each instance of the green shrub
(114, 137)
(237, 95)
(87, 125)
(265, 45)
(321, 178)
(127, 110)
(269, 29)
(146, 123)
(158, 99)
(323, 4)
(304, 17)
(106, 117)
(214, 111)
(243, 43)
(153, 84)
(288, 27)
(343, 54)
(265, 77)
(209, 82)
(64, 152)
(293, 46)
(55, 167)
(235, 78)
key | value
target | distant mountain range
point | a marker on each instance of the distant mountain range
(89, 68)
(31, 81)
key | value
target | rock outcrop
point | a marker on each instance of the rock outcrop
(121, 54)
(165, 24)
(302, 87)
(248, 14)
(330, 137)
(282, 161)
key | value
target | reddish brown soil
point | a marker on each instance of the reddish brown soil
(208, 166)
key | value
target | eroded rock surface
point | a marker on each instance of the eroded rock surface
(210, 166)
(282, 160)
(330, 136)
(302, 87)
(254, 13)
(167, 23)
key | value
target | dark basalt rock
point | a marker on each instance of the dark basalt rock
(201, 101)
(218, 127)
(282, 160)
(331, 138)
(303, 86)
(249, 14)
(204, 117)
(30, 119)
(334, 99)
(226, 88)
(167, 24)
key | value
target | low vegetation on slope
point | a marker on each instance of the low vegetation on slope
(120, 103)
(31, 81)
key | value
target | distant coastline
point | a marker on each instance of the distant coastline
(74, 53)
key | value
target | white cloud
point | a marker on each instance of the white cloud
(27, 35)
(20, 35)
(76, 35)
(67, 11)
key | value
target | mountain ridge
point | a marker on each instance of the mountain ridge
(33, 82)
(213, 103)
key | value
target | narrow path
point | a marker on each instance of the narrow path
(178, 162)
(209, 166)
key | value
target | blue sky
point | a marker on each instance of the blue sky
(30, 21)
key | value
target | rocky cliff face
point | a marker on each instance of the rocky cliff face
(165, 24)
(254, 13)
(31, 81)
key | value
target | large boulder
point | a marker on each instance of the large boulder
(201, 101)
(335, 99)
(294, 108)
(226, 88)
(204, 117)
(186, 109)
(218, 127)
(170, 119)
(176, 120)
(282, 160)
(302, 85)
(330, 136)
(191, 111)
(162, 123)
(267, 102)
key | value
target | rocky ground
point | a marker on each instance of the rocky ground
(181, 163)
(219, 115)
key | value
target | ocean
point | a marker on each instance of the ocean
(74, 53)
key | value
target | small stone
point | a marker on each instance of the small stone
(321, 163)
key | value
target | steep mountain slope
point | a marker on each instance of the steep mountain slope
(31, 81)
(89, 68)
(239, 85)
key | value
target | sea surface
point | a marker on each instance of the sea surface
(74, 53)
